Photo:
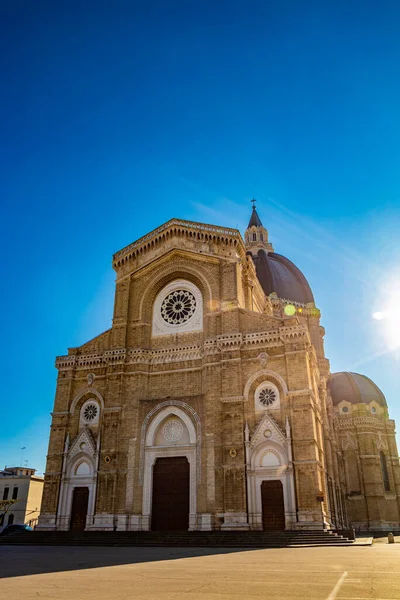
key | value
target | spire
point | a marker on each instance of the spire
(255, 220)
(256, 235)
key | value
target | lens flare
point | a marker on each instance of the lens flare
(289, 310)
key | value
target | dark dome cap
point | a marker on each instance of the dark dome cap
(354, 388)
(278, 274)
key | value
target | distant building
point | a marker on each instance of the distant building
(21, 484)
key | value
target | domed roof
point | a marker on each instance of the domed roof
(278, 274)
(354, 388)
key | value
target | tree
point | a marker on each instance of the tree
(5, 506)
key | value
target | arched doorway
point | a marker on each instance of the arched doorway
(171, 482)
(273, 508)
(270, 482)
(168, 432)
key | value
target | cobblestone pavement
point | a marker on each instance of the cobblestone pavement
(81, 573)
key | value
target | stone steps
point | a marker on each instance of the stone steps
(228, 539)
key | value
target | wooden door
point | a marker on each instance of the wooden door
(170, 509)
(273, 509)
(79, 508)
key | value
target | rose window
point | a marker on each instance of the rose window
(90, 412)
(173, 430)
(267, 397)
(178, 307)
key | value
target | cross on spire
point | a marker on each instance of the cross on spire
(253, 201)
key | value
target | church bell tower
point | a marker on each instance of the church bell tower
(256, 236)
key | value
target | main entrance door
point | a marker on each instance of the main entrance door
(170, 510)
(273, 510)
(79, 508)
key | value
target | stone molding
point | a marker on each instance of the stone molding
(211, 346)
(231, 399)
(130, 251)
(87, 390)
(305, 392)
(344, 423)
(265, 374)
(267, 423)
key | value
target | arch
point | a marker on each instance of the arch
(87, 390)
(75, 463)
(269, 454)
(89, 419)
(265, 374)
(82, 468)
(168, 275)
(163, 414)
(148, 418)
(269, 446)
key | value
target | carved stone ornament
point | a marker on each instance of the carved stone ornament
(90, 379)
(263, 358)
(232, 453)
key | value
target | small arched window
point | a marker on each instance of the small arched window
(261, 237)
(90, 412)
(15, 493)
(254, 237)
(10, 519)
(385, 473)
(5, 493)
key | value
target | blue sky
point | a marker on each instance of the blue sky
(118, 116)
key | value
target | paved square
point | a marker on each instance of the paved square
(82, 573)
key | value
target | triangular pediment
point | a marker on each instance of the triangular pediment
(267, 429)
(85, 437)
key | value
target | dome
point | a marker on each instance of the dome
(354, 388)
(278, 274)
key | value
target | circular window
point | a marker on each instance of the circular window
(267, 396)
(173, 430)
(373, 409)
(90, 412)
(178, 307)
(345, 409)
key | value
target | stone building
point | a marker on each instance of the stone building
(209, 403)
(22, 485)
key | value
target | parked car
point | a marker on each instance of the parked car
(15, 529)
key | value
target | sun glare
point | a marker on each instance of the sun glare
(390, 317)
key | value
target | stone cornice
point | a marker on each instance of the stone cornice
(179, 227)
(232, 399)
(345, 423)
(212, 346)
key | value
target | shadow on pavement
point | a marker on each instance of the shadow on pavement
(17, 561)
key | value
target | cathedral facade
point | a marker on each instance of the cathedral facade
(209, 403)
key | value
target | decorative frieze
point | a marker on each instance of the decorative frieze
(211, 347)
(342, 423)
(232, 399)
